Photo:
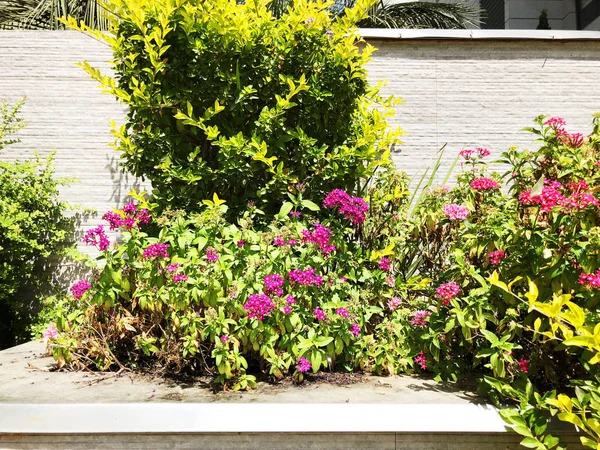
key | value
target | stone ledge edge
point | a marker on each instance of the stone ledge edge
(558, 35)
(243, 418)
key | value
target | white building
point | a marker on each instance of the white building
(525, 14)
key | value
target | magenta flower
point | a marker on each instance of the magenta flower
(447, 292)
(290, 300)
(259, 306)
(295, 214)
(80, 288)
(547, 200)
(224, 339)
(143, 217)
(523, 365)
(421, 360)
(273, 284)
(97, 237)
(496, 256)
(51, 332)
(241, 243)
(343, 312)
(320, 236)
(466, 153)
(129, 208)
(394, 302)
(278, 241)
(305, 277)
(455, 212)
(113, 219)
(556, 123)
(590, 280)
(180, 278)
(352, 208)
(319, 314)
(292, 242)
(156, 251)
(303, 365)
(484, 184)
(482, 152)
(419, 318)
(355, 329)
(173, 267)
(287, 310)
(385, 265)
(211, 255)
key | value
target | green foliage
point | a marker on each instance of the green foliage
(32, 230)
(225, 98)
(187, 310)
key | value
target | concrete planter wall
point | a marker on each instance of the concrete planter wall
(462, 88)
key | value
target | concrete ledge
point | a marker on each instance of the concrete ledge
(385, 33)
(247, 418)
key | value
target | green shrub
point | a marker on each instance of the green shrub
(225, 98)
(195, 294)
(32, 230)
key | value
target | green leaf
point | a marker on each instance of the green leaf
(310, 205)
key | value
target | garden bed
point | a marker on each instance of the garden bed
(43, 408)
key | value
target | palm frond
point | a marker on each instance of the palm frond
(422, 15)
(44, 14)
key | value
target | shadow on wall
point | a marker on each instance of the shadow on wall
(121, 181)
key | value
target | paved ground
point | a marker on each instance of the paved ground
(27, 376)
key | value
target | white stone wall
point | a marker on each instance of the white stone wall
(480, 92)
(459, 92)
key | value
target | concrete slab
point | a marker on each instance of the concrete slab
(27, 376)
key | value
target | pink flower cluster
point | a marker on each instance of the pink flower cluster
(590, 280)
(80, 288)
(180, 278)
(211, 255)
(352, 208)
(173, 267)
(556, 123)
(305, 277)
(478, 152)
(394, 302)
(51, 332)
(421, 360)
(496, 256)
(385, 264)
(303, 365)
(343, 312)
(319, 314)
(224, 339)
(455, 212)
(156, 251)
(484, 184)
(259, 306)
(273, 284)
(129, 218)
(447, 292)
(523, 365)
(355, 329)
(278, 241)
(320, 236)
(97, 237)
(419, 318)
(574, 140)
(552, 196)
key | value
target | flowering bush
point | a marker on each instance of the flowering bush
(220, 91)
(195, 293)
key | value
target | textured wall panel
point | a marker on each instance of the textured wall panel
(462, 93)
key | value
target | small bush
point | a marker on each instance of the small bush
(32, 230)
(225, 98)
